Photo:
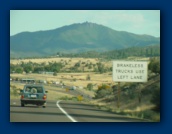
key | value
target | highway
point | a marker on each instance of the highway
(63, 111)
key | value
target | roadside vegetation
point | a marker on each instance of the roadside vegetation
(94, 76)
(141, 100)
(14, 92)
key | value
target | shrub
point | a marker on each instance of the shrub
(64, 98)
(55, 74)
(104, 86)
(156, 97)
(14, 90)
(89, 86)
(149, 114)
(154, 65)
(88, 77)
(103, 90)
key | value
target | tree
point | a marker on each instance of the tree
(28, 68)
(55, 74)
(154, 65)
(37, 69)
(19, 70)
(100, 67)
(12, 68)
(147, 52)
(156, 97)
(89, 66)
(103, 91)
(89, 86)
(77, 64)
(88, 77)
(54, 67)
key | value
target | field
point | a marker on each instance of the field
(77, 79)
(71, 79)
(46, 60)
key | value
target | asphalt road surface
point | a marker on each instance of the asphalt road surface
(63, 111)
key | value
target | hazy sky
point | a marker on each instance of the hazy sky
(134, 21)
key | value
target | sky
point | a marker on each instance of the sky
(134, 21)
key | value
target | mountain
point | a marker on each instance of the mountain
(75, 38)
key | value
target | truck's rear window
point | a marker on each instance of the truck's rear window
(33, 90)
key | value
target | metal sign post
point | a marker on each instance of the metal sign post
(118, 101)
(139, 93)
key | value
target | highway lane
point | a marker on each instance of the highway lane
(32, 113)
(63, 111)
(89, 113)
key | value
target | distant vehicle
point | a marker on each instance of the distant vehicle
(56, 82)
(73, 88)
(43, 81)
(27, 81)
(33, 94)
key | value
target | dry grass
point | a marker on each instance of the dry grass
(68, 62)
(46, 60)
(52, 95)
(15, 97)
(139, 108)
(71, 79)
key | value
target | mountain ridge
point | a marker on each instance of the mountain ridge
(76, 38)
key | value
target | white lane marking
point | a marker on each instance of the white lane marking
(72, 119)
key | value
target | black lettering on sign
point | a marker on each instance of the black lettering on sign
(130, 65)
(123, 71)
(122, 77)
(140, 71)
(136, 77)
